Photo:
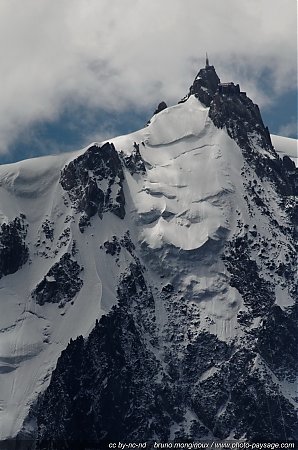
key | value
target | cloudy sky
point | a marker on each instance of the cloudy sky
(75, 71)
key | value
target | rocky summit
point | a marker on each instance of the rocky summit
(148, 284)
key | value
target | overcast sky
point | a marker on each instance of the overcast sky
(73, 71)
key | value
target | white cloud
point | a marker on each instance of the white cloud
(134, 53)
(289, 129)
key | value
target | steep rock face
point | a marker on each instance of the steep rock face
(233, 110)
(240, 399)
(205, 85)
(114, 385)
(93, 182)
(13, 249)
(121, 374)
(242, 118)
(257, 293)
(292, 173)
(243, 122)
(278, 341)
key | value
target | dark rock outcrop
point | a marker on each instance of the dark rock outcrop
(14, 252)
(61, 283)
(242, 119)
(112, 387)
(232, 109)
(292, 173)
(161, 107)
(114, 246)
(134, 162)
(278, 341)
(94, 183)
(257, 293)
(205, 85)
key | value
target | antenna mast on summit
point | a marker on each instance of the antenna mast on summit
(207, 60)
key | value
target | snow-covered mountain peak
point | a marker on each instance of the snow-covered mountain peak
(175, 245)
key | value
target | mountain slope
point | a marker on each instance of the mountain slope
(175, 246)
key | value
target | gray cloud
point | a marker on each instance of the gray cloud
(289, 129)
(134, 53)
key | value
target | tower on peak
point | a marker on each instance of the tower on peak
(207, 60)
